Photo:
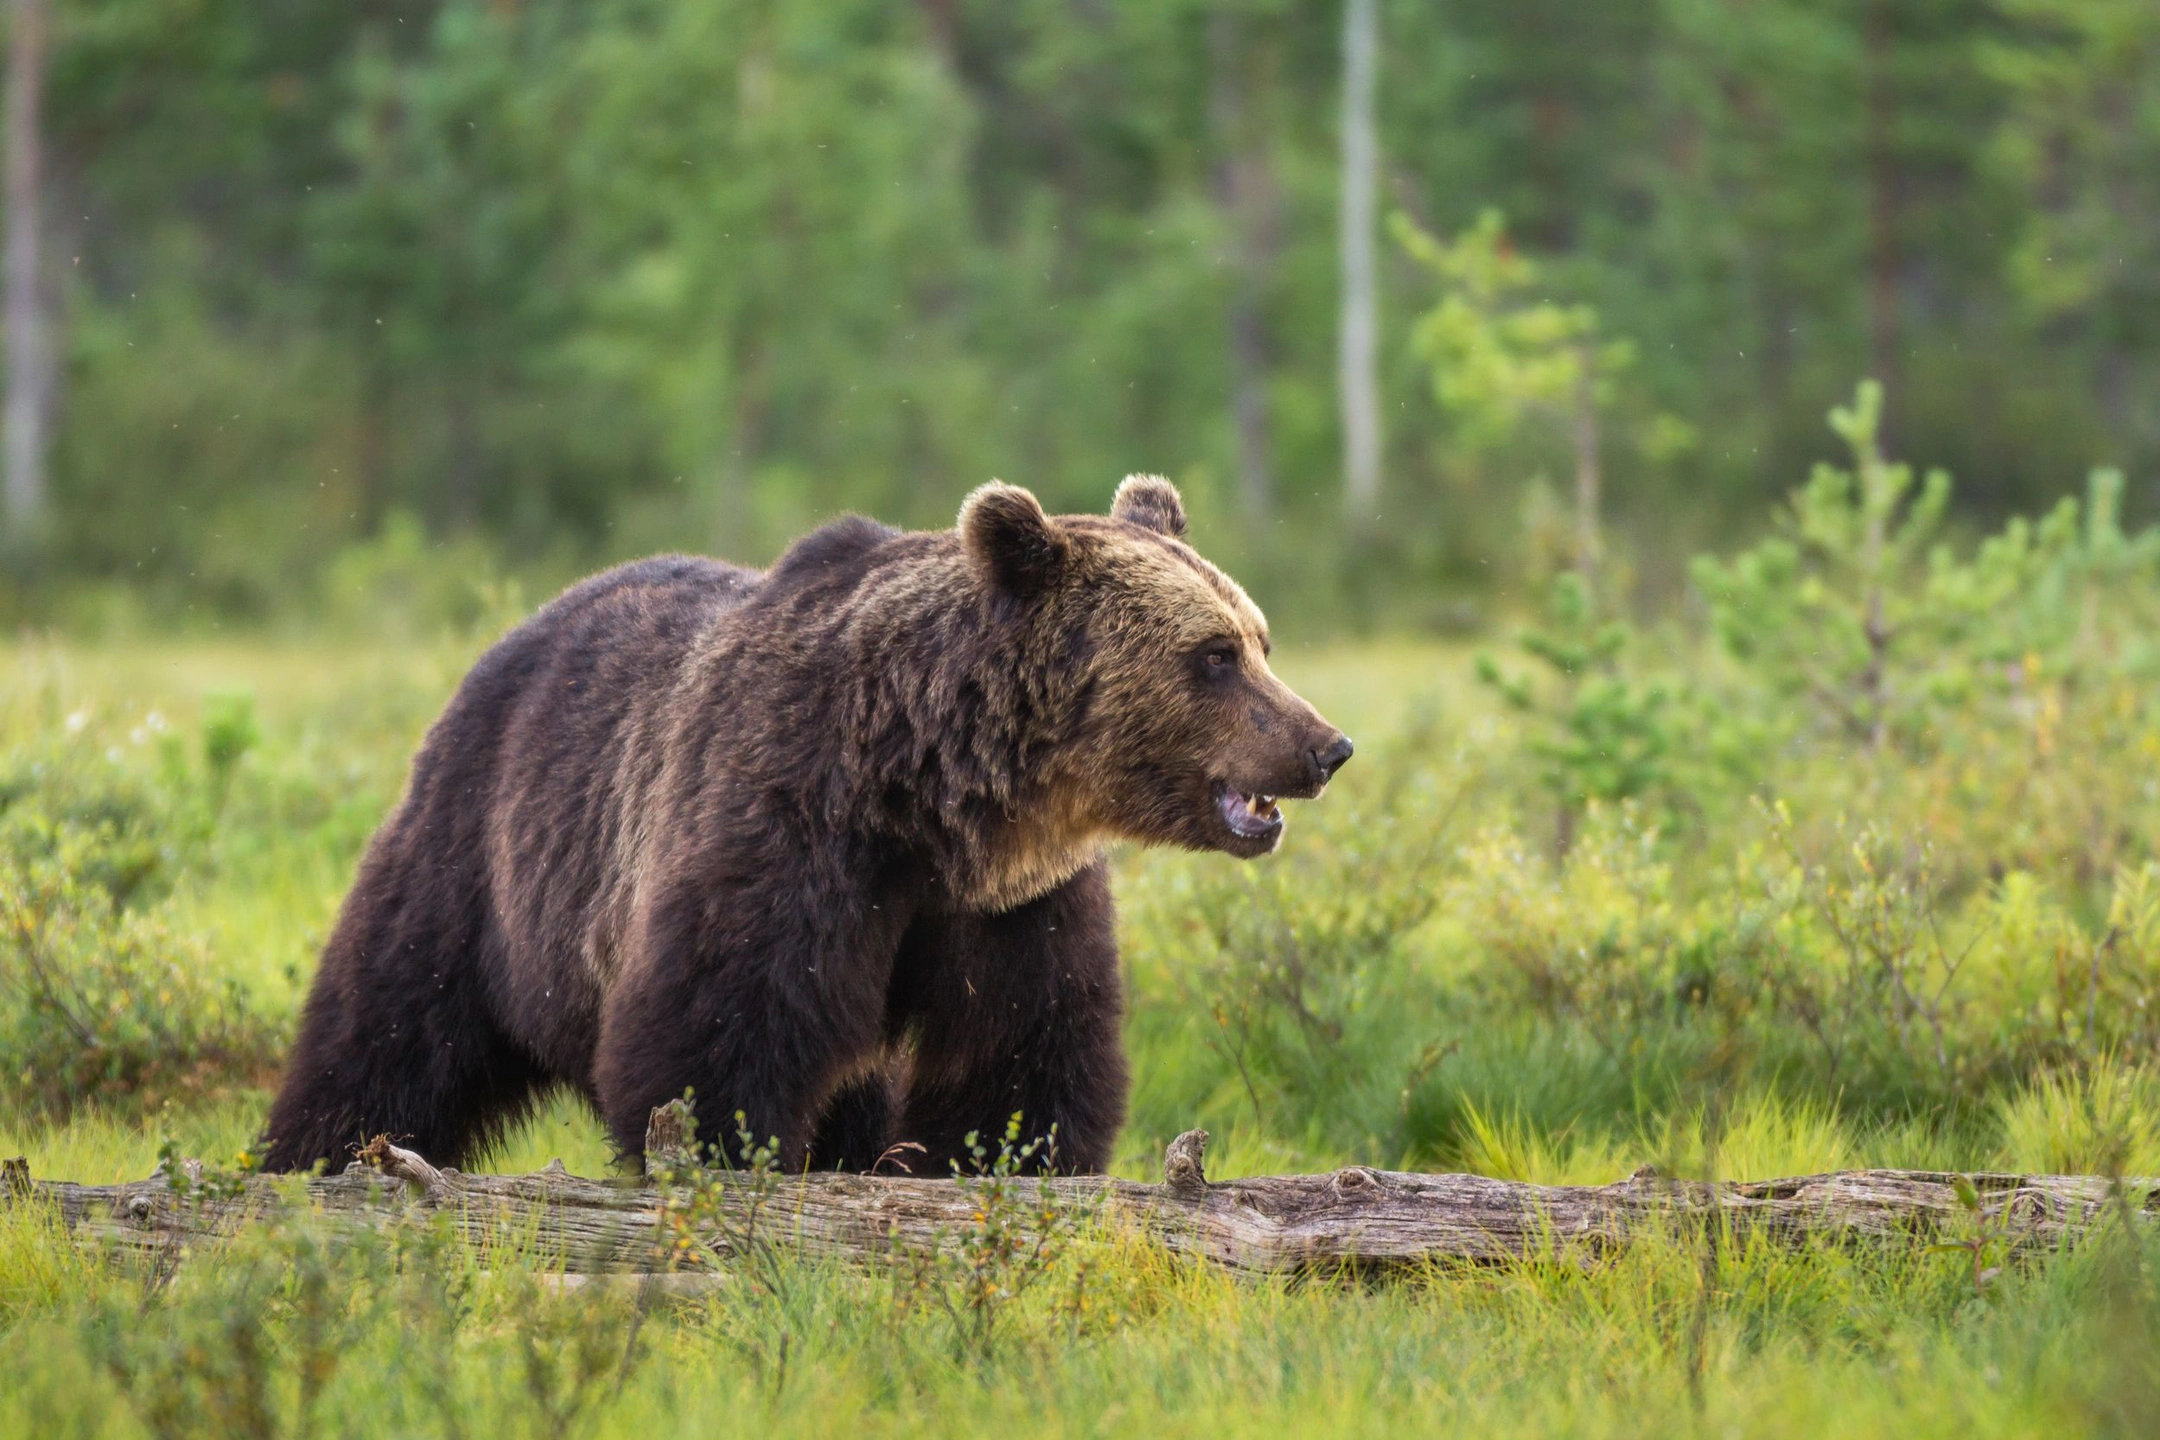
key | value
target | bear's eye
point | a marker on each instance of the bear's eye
(1217, 661)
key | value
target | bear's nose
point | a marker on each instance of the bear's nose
(1328, 759)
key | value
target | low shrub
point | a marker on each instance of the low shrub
(1885, 840)
(102, 996)
(98, 1003)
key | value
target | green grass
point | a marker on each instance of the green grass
(1758, 1341)
(1413, 982)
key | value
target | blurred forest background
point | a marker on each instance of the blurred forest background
(320, 302)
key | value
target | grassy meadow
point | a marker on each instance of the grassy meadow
(1746, 898)
(339, 334)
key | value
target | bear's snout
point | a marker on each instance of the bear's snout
(1327, 758)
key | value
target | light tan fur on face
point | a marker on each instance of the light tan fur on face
(1094, 720)
(1189, 599)
(1167, 602)
(1151, 606)
(1153, 599)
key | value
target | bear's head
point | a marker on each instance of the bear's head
(1181, 734)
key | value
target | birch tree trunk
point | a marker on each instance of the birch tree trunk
(1359, 336)
(1883, 262)
(29, 341)
(1589, 470)
(1245, 194)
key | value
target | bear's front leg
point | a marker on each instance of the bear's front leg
(754, 1005)
(1016, 1012)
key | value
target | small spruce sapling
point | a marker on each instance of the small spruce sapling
(1861, 613)
(1598, 734)
(2079, 589)
(1832, 611)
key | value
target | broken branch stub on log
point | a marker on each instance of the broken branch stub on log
(670, 1144)
(1352, 1217)
(1182, 1173)
(402, 1164)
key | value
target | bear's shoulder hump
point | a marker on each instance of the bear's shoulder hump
(845, 542)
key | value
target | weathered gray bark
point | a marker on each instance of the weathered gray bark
(1358, 379)
(1354, 1216)
(29, 337)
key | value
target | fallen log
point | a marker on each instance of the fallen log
(1354, 1216)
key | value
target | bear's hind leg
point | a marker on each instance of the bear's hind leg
(447, 1099)
(397, 1040)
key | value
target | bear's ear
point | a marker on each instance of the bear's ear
(1011, 543)
(1151, 501)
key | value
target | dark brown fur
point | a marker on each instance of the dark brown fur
(822, 844)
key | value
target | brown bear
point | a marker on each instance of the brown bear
(823, 845)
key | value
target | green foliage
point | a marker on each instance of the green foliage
(1498, 355)
(2079, 603)
(133, 811)
(1599, 734)
(2102, 1120)
(296, 1329)
(571, 1358)
(1833, 614)
(262, 1340)
(724, 1209)
(1866, 623)
(1896, 875)
(1599, 938)
(1883, 988)
(976, 1277)
(2079, 140)
(229, 732)
(1301, 979)
(103, 998)
(401, 584)
(214, 1369)
(567, 282)
(103, 1005)
(1503, 356)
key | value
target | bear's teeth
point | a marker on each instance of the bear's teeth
(1251, 815)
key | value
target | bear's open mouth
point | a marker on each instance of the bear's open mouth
(1250, 817)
